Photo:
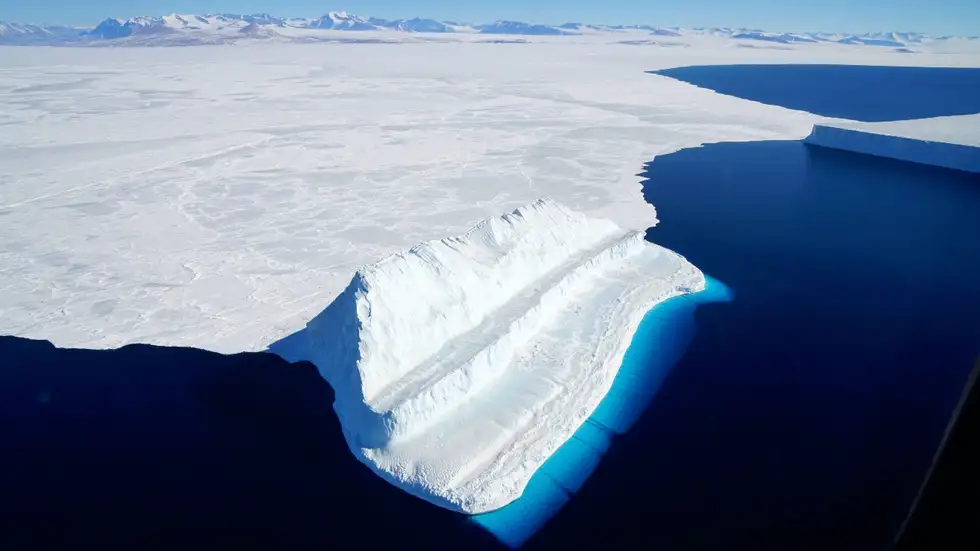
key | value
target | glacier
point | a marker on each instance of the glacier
(463, 364)
(948, 142)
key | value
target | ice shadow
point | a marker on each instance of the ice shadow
(148, 446)
(863, 93)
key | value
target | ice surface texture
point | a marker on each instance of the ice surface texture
(461, 365)
(949, 142)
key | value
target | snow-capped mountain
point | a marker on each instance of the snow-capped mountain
(629, 27)
(116, 28)
(583, 27)
(414, 25)
(869, 41)
(224, 28)
(782, 38)
(16, 33)
(342, 21)
(519, 27)
(906, 38)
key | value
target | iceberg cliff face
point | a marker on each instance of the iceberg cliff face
(461, 365)
(948, 142)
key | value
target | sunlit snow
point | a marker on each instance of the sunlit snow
(220, 197)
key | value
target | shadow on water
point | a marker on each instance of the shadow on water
(149, 446)
(806, 412)
(845, 91)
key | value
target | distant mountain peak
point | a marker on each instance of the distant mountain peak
(224, 27)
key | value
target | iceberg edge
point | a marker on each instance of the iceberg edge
(949, 142)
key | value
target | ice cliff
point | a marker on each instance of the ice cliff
(461, 365)
(948, 142)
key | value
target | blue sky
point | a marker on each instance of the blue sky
(960, 17)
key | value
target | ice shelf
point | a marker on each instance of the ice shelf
(461, 365)
(949, 142)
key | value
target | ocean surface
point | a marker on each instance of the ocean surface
(806, 411)
(870, 94)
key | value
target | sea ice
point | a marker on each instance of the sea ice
(219, 197)
(461, 365)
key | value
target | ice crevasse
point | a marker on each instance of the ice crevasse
(461, 365)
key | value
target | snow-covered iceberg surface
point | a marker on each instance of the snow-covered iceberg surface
(949, 142)
(461, 366)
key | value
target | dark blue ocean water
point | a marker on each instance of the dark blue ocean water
(855, 92)
(154, 447)
(806, 411)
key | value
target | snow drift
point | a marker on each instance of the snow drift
(461, 365)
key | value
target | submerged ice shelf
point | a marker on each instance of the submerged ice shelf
(462, 365)
(948, 142)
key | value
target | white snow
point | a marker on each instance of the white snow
(462, 364)
(219, 197)
(950, 142)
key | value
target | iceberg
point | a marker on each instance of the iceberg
(947, 142)
(460, 366)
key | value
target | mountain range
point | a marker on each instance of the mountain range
(183, 29)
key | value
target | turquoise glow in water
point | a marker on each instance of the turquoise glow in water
(659, 342)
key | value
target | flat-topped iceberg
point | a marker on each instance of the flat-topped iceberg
(461, 365)
(948, 142)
